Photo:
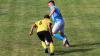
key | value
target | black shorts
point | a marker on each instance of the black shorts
(45, 35)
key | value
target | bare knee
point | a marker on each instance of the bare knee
(53, 32)
(62, 34)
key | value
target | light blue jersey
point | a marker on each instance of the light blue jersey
(56, 16)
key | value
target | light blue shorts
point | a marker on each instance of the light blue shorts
(58, 26)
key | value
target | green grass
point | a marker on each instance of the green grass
(82, 26)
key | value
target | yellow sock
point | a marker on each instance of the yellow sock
(51, 48)
(43, 44)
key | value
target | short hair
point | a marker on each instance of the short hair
(52, 2)
(46, 16)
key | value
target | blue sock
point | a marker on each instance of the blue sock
(58, 36)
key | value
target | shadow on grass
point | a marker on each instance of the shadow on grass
(3, 13)
(61, 52)
(86, 44)
(79, 48)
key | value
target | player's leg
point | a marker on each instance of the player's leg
(55, 30)
(65, 41)
(50, 41)
(60, 27)
(42, 38)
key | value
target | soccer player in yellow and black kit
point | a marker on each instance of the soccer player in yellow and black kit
(43, 32)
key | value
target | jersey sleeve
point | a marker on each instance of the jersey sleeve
(36, 23)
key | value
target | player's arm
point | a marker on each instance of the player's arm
(50, 27)
(32, 28)
(52, 11)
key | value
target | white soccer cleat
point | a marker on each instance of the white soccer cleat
(65, 43)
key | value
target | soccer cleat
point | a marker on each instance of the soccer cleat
(51, 54)
(46, 50)
(66, 43)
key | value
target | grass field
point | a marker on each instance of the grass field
(82, 19)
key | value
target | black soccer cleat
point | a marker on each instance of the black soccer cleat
(46, 50)
(51, 54)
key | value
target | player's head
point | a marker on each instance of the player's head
(50, 3)
(47, 16)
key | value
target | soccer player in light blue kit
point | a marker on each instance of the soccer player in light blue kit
(58, 23)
